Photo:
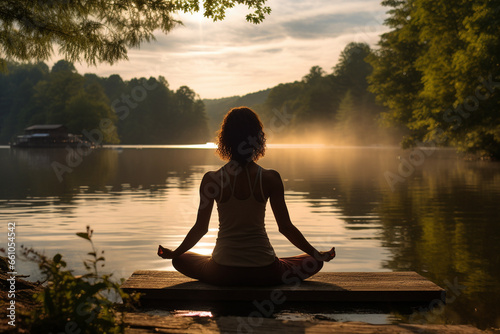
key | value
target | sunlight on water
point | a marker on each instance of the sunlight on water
(131, 217)
(212, 145)
(208, 145)
(439, 219)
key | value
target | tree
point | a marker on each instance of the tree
(356, 119)
(438, 70)
(63, 66)
(161, 116)
(395, 80)
(194, 122)
(315, 105)
(16, 91)
(315, 74)
(352, 69)
(332, 107)
(139, 111)
(346, 115)
(97, 30)
(66, 97)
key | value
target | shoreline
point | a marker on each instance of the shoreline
(142, 323)
(24, 301)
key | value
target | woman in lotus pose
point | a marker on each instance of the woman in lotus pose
(243, 254)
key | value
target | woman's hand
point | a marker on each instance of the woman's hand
(165, 252)
(326, 256)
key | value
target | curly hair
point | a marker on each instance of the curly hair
(241, 136)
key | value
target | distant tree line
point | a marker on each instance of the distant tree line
(138, 111)
(217, 108)
(436, 74)
(330, 107)
(334, 107)
(433, 80)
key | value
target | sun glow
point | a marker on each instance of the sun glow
(190, 313)
(198, 16)
(203, 251)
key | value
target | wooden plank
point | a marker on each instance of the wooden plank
(326, 286)
(142, 324)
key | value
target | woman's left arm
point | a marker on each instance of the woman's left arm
(200, 228)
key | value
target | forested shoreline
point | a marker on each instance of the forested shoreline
(138, 111)
(432, 80)
(438, 73)
(323, 107)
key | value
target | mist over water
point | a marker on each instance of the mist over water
(362, 131)
(439, 218)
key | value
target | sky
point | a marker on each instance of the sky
(235, 57)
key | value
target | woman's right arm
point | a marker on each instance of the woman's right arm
(200, 228)
(285, 225)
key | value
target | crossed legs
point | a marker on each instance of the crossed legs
(282, 271)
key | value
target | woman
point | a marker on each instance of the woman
(243, 254)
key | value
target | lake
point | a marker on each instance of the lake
(382, 208)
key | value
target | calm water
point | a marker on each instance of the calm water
(440, 219)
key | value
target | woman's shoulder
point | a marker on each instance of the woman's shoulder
(217, 174)
(270, 175)
(211, 175)
(270, 172)
(267, 173)
(271, 182)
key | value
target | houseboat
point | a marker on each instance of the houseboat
(48, 136)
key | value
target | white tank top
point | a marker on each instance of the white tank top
(242, 240)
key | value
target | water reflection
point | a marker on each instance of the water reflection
(34, 172)
(442, 221)
(445, 224)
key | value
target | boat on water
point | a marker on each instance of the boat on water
(49, 136)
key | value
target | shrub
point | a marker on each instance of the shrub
(77, 304)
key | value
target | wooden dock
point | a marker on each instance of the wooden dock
(144, 324)
(388, 287)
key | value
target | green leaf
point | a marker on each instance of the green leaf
(57, 258)
(83, 235)
(72, 298)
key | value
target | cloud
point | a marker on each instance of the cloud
(234, 57)
(325, 25)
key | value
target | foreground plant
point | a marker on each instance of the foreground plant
(77, 304)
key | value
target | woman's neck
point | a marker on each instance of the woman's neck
(240, 164)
